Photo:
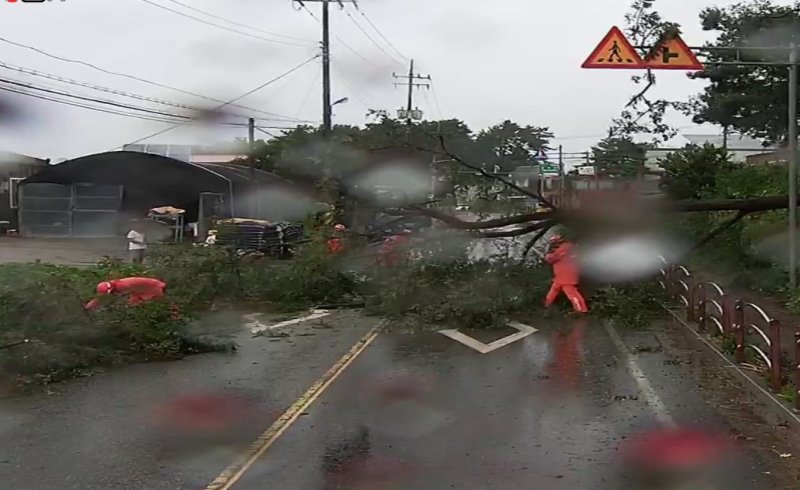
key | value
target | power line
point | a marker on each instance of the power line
(249, 92)
(365, 99)
(229, 29)
(133, 77)
(308, 93)
(430, 105)
(372, 39)
(100, 88)
(84, 106)
(436, 100)
(340, 40)
(266, 132)
(89, 99)
(122, 93)
(230, 102)
(189, 7)
(363, 14)
(101, 101)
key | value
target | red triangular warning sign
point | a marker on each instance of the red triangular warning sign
(614, 51)
(673, 54)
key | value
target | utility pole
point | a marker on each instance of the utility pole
(251, 144)
(251, 138)
(410, 112)
(792, 130)
(326, 59)
(561, 175)
(326, 69)
(725, 137)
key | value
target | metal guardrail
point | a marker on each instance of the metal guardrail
(751, 328)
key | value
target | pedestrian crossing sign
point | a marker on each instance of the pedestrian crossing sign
(614, 51)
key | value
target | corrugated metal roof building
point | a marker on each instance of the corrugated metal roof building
(96, 195)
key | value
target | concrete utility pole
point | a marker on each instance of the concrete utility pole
(792, 130)
(251, 144)
(561, 175)
(410, 113)
(326, 69)
(326, 59)
(251, 133)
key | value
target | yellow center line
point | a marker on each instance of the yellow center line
(234, 472)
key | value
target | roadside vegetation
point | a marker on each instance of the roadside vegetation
(44, 303)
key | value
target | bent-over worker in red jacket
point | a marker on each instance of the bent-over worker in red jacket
(565, 274)
(137, 289)
(335, 244)
(394, 249)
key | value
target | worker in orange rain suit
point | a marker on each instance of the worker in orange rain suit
(565, 272)
(392, 249)
(137, 289)
(336, 243)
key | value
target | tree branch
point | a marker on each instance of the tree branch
(460, 224)
(529, 246)
(494, 176)
(514, 233)
(720, 229)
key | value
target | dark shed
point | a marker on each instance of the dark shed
(13, 169)
(95, 195)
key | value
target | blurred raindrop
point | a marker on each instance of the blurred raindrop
(627, 258)
(12, 113)
(395, 183)
(282, 204)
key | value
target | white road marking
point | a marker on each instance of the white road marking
(524, 331)
(650, 395)
(258, 327)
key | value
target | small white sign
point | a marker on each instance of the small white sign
(586, 170)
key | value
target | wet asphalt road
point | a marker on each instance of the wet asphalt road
(425, 412)
(122, 429)
(412, 411)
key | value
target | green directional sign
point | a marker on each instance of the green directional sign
(548, 169)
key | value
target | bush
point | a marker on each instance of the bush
(631, 305)
(44, 303)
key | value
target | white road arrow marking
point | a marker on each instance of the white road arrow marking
(524, 331)
(258, 327)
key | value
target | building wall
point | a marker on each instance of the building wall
(8, 173)
(767, 159)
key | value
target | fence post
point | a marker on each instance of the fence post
(691, 312)
(726, 314)
(797, 370)
(701, 307)
(775, 355)
(738, 329)
(668, 281)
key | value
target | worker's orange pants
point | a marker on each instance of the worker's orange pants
(571, 292)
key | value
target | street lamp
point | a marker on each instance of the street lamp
(343, 100)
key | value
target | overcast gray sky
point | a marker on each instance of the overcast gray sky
(489, 60)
